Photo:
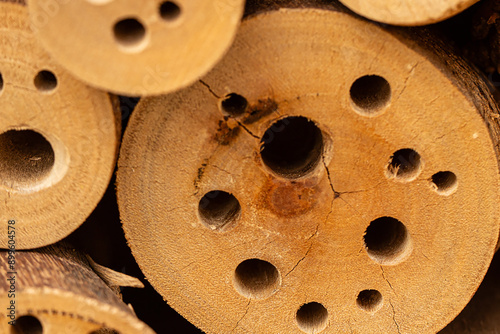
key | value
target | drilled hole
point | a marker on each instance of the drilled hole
(444, 183)
(1, 82)
(312, 318)
(234, 104)
(256, 278)
(169, 11)
(27, 325)
(404, 165)
(292, 147)
(370, 93)
(369, 300)
(219, 210)
(45, 81)
(387, 241)
(105, 330)
(130, 34)
(26, 158)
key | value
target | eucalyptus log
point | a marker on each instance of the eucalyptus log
(58, 139)
(328, 175)
(56, 291)
(137, 47)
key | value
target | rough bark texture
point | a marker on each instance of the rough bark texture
(57, 286)
(483, 45)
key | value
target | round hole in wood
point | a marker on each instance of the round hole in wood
(369, 94)
(26, 158)
(45, 81)
(404, 165)
(312, 318)
(130, 35)
(105, 330)
(234, 104)
(444, 183)
(369, 300)
(27, 325)
(256, 279)
(219, 210)
(170, 11)
(1, 82)
(387, 241)
(292, 147)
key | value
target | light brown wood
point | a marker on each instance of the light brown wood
(56, 291)
(327, 176)
(113, 278)
(58, 139)
(408, 12)
(482, 313)
(137, 47)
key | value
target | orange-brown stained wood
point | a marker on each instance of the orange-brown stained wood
(56, 291)
(58, 139)
(134, 47)
(289, 199)
(365, 200)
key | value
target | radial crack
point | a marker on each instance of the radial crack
(221, 169)
(299, 261)
(247, 130)
(335, 194)
(243, 316)
(410, 74)
(209, 89)
(383, 275)
(394, 316)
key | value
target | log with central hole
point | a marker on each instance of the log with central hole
(327, 176)
(58, 140)
(137, 47)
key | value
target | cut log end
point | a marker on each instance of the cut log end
(408, 12)
(331, 179)
(58, 139)
(157, 48)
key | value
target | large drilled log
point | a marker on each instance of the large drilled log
(329, 175)
(55, 290)
(136, 47)
(58, 139)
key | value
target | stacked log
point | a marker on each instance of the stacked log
(58, 139)
(336, 176)
(55, 290)
(133, 47)
(408, 12)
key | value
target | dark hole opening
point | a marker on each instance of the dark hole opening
(169, 11)
(370, 93)
(219, 209)
(234, 104)
(292, 147)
